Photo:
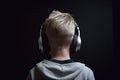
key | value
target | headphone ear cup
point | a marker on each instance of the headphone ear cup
(73, 45)
(76, 44)
(40, 44)
(43, 42)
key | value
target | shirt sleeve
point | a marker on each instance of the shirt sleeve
(31, 74)
(91, 75)
(34, 75)
(29, 77)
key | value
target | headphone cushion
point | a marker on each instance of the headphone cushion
(75, 45)
(43, 42)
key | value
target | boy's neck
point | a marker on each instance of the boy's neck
(60, 54)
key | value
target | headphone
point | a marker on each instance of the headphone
(44, 46)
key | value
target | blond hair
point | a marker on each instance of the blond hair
(60, 27)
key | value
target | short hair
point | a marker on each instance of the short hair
(60, 27)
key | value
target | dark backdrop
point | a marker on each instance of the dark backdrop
(94, 18)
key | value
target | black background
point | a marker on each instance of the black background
(94, 19)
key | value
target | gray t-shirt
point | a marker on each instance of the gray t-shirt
(50, 70)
